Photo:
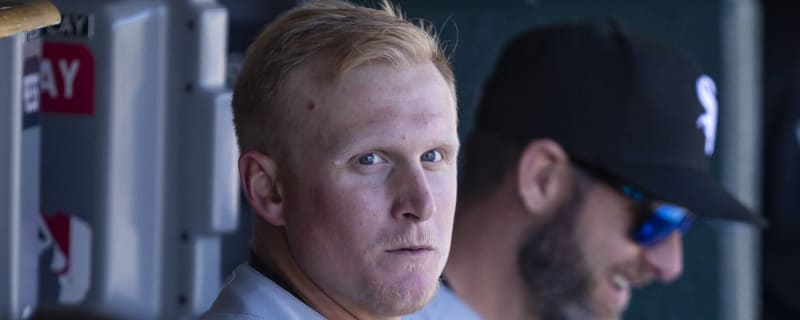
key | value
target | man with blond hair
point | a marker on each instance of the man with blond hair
(346, 123)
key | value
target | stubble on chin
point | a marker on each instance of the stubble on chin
(393, 299)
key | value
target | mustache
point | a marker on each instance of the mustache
(639, 274)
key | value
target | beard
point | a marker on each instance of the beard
(553, 268)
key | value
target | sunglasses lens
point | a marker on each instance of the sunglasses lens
(661, 223)
(686, 224)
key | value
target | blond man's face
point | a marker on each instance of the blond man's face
(371, 198)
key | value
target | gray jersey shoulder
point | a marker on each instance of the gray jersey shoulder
(249, 295)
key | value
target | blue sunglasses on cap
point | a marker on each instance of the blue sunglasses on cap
(656, 220)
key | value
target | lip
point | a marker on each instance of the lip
(619, 297)
(409, 243)
(640, 281)
(635, 280)
(411, 250)
(621, 282)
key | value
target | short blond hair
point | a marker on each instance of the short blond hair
(343, 35)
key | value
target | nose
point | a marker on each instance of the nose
(414, 198)
(666, 257)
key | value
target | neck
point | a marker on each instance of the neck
(272, 248)
(483, 265)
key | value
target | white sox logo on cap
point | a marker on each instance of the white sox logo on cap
(707, 94)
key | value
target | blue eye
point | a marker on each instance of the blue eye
(431, 156)
(370, 159)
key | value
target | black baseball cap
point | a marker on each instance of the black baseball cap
(626, 104)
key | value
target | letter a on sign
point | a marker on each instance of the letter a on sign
(67, 79)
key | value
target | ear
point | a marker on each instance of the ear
(259, 176)
(542, 176)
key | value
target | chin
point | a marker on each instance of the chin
(406, 295)
(605, 312)
(411, 304)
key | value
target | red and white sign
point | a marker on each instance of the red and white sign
(71, 239)
(67, 78)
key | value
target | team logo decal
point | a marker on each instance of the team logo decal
(707, 121)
